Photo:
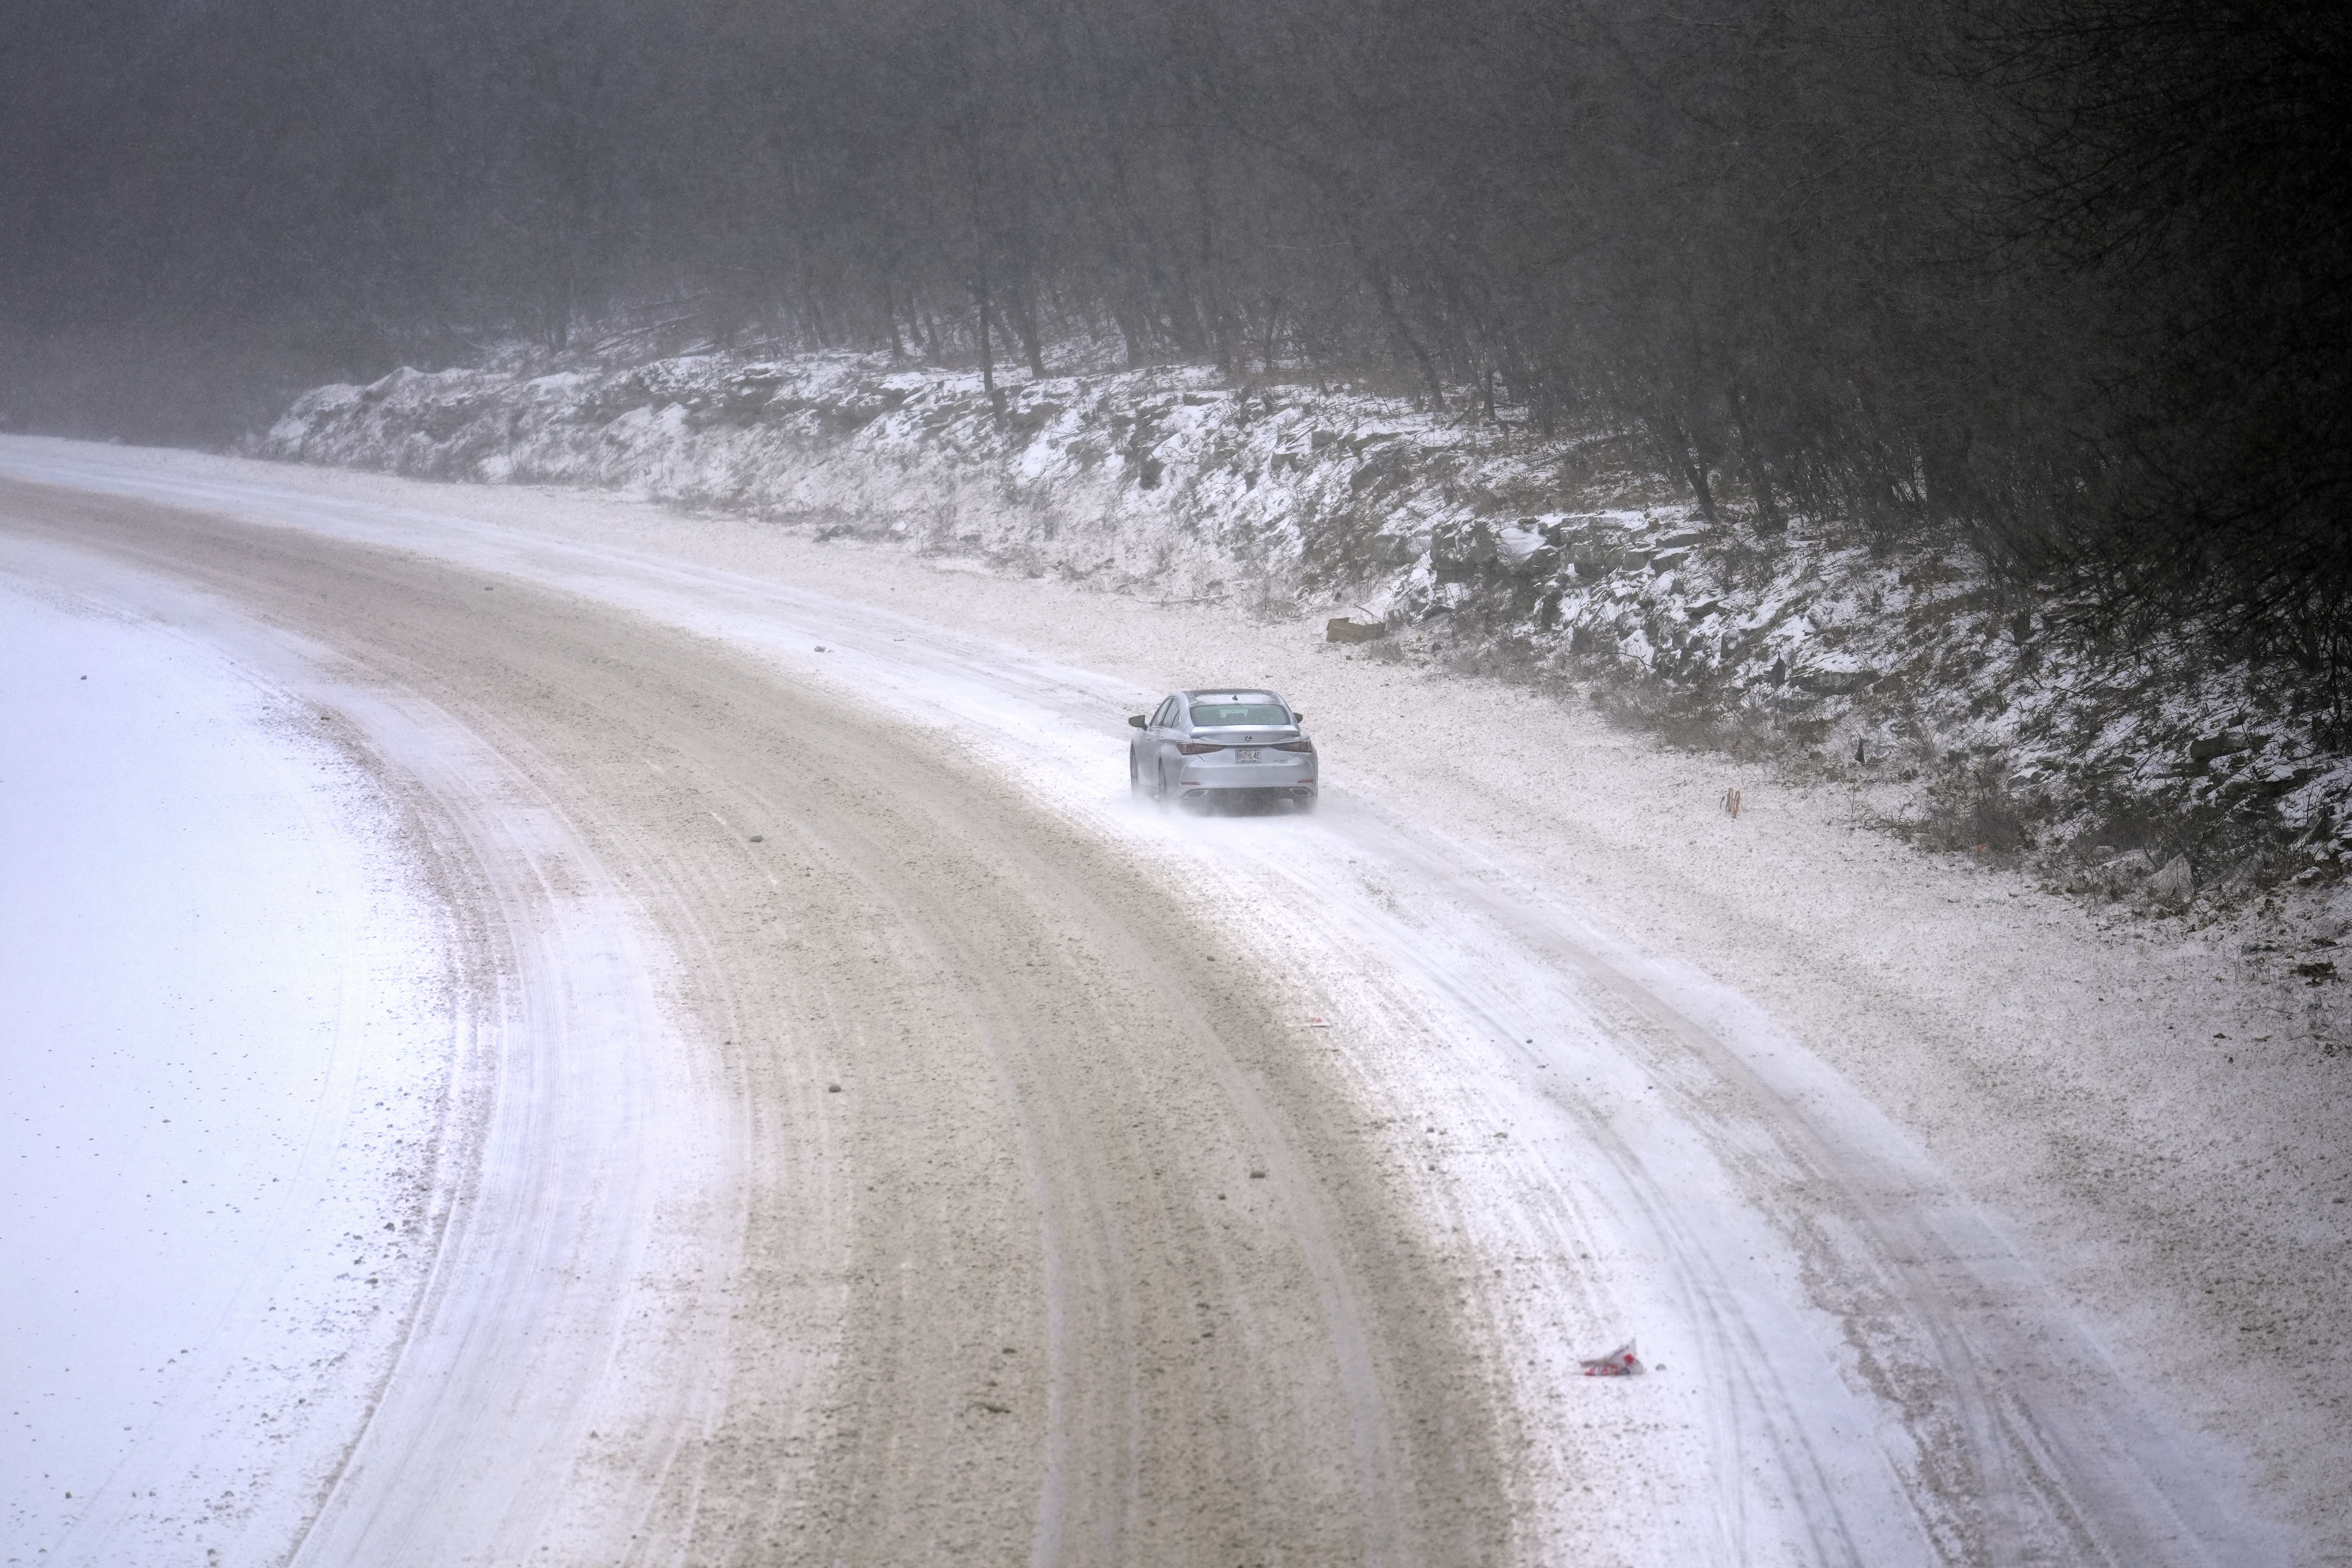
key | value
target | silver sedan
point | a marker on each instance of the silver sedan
(1223, 746)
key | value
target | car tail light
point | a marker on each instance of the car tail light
(1307, 746)
(1198, 748)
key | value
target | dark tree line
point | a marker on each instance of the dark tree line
(2067, 277)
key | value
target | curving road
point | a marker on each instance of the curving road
(1034, 1242)
(865, 1157)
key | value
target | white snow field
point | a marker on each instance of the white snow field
(227, 1047)
(258, 1078)
(1832, 1130)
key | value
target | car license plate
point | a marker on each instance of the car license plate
(1245, 754)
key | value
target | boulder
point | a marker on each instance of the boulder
(2175, 885)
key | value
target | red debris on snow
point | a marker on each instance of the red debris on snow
(1619, 1362)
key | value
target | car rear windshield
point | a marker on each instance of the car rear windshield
(1210, 715)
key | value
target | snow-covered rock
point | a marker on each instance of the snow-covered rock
(2175, 885)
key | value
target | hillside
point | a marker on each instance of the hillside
(1967, 714)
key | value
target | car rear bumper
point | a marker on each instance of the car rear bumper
(1210, 793)
(1277, 771)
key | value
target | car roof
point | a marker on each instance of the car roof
(1232, 694)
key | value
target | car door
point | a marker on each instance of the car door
(1160, 738)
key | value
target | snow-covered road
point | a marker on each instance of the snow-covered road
(778, 1207)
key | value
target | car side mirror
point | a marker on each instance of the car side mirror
(1136, 720)
(1299, 718)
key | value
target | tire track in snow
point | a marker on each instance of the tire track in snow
(2014, 1441)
